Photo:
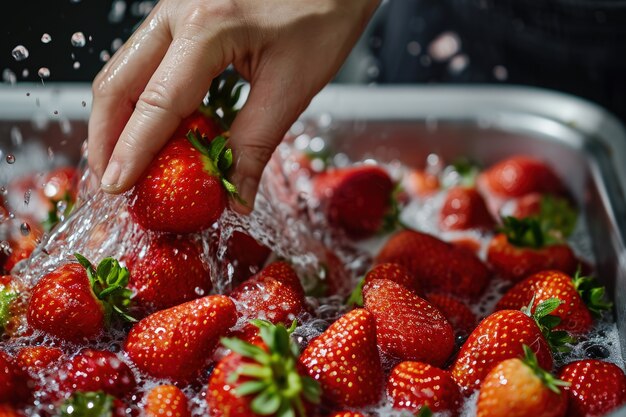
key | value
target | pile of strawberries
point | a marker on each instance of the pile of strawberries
(406, 338)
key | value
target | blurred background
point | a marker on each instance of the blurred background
(574, 46)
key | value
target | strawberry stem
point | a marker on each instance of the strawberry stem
(276, 382)
(109, 283)
(224, 94)
(88, 404)
(549, 380)
(592, 294)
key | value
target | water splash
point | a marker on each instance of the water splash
(20, 53)
(78, 39)
(46, 38)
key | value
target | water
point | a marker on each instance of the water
(20, 53)
(288, 222)
(78, 39)
(43, 72)
(46, 38)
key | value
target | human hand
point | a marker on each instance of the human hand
(287, 49)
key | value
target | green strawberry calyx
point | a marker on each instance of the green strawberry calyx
(216, 158)
(557, 339)
(278, 387)
(525, 233)
(425, 411)
(88, 404)
(7, 296)
(224, 94)
(548, 380)
(462, 172)
(356, 296)
(109, 282)
(592, 293)
(557, 217)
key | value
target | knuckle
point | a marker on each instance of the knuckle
(155, 99)
(256, 155)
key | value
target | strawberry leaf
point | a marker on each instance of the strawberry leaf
(7, 296)
(558, 340)
(592, 294)
(224, 95)
(549, 380)
(546, 307)
(266, 403)
(216, 147)
(198, 141)
(557, 218)
(356, 297)
(88, 404)
(424, 412)
(250, 387)
(524, 233)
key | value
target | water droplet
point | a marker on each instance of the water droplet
(83, 103)
(9, 76)
(46, 38)
(444, 46)
(43, 72)
(458, 64)
(76, 65)
(118, 9)
(199, 291)
(27, 94)
(5, 247)
(61, 207)
(27, 197)
(25, 73)
(10, 158)
(500, 73)
(56, 112)
(105, 56)
(116, 44)
(426, 60)
(413, 48)
(372, 71)
(25, 229)
(78, 39)
(19, 53)
(3, 191)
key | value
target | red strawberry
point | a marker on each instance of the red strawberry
(556, 216)
(415, 385)
(274, 294)
(407, 326)
(166, 401)
(13, 381)
(7, 411)
(521, 175)
(437, 265)
(347, 414)
(525, 249)
(596, 388)
(581, 297)
(344, 360)
(183, 190)
(458, 314)
(246, 255)
(391, 271)
(37, 359)
(261, 378)
(93, 404)
(76, 301)
(464, 208)
(96, 370)
(356, 199)
(502, 336)
(169, 272)
(176, 344)
(520, 388)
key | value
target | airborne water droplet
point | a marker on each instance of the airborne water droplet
(105, 56)
(46, 38)
(43, 72)
(76, 65)
(27, 197)
(78, 39)
(10, 158)
(83, 103)
(25, 229)
(9, 76)
(19, 53)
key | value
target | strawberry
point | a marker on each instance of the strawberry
(596, 388)
(96, 404)
(524, 249)
(168, 272)
(519, 387)
(356, 199)
(7, 411)
(501, 336)
(556, 216)
(176, 344)
(59, 189)
(166, 401)
(76, 301)
(347, 414)
(184, 189)
(13, 381)
(274, 294)
(581, 296)
(344, 360)
(464, 208)
(96, 370)
(37, 359)
(246, 255)
(458, 314)
(439, 266)
(521, 175)
(261, 378)
(415, 385)
(391, 271)
(407, 326)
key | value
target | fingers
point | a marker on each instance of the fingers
(175, 89)
(270, 110)
(117, 87)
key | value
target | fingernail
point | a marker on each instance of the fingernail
(110, 179)
(247, 191)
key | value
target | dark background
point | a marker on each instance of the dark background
(573, 46)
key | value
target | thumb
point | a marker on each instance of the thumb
(272, 107)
